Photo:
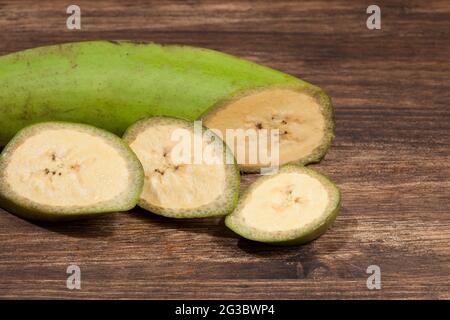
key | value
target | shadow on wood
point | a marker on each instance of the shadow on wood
(98, 227)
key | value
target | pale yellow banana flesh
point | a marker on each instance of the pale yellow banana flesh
(286, 202)
(172, 184)
(294, 206)
(66, 167)
(298, 117)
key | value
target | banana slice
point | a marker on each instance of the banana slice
(303, 120)
(294, 206)
(60, 171)
(188, 173)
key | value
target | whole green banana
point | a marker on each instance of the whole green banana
(112, 84)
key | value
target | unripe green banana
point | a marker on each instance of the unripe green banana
(113, 84)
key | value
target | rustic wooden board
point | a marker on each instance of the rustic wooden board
(391, 157)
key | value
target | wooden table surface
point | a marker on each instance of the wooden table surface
(391, 157)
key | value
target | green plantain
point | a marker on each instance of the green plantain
(112, 84)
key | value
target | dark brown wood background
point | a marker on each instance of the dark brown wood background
(391, 157)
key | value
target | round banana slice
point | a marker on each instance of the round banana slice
(61, 171)
(189, 171)
(294, 206)
(299, 123)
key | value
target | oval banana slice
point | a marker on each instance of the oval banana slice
(294, 206)
(60, 171)
(189, 171)
(301, 120)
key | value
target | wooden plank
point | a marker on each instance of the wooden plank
(391, 158)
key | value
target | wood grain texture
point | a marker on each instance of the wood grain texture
(391, 158)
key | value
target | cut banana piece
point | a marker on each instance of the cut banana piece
(294, 206)
(303, 118)
(189, 171)
(60, 171)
